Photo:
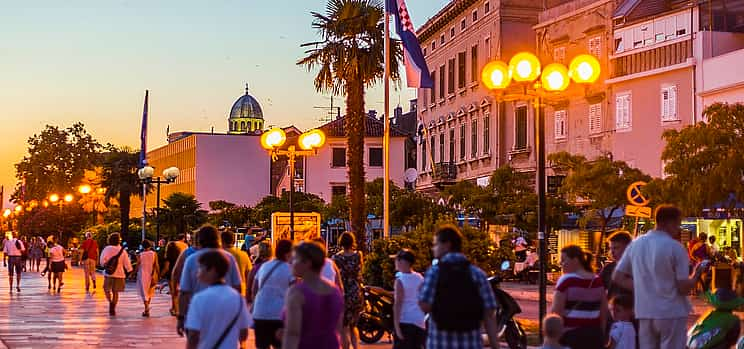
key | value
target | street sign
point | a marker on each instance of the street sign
(307, 226)
(635, 196)
(638, 211)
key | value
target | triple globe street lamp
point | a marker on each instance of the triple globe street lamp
(529, 81)
(309, 143)
(145, 175)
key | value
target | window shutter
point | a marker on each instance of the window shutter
(619, 112)
(664, 104)
(672, 102)
(560, 124)
(595, 118)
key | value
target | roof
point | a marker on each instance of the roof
(246, 107)
(634, 10)
(446, 15)
(372, 126)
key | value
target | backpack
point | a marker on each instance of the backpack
(457, 304)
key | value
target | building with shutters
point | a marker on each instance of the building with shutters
(465, 132)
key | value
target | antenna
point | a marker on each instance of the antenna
(332, 112)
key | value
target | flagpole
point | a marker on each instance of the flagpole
(143, 160)
(386, 138)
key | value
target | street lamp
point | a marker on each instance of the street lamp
(536, 84)
(145, 174)
(85, 189)
(59, 201)
(309, 143)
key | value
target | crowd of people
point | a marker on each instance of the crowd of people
(639, 300)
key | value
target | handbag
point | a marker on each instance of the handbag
(231, 325)
(112, 263)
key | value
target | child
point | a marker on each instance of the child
(552, 332)
(622, 333)
(410, 330)
(217, 316)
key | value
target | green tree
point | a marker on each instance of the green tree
(302, 202)
(181, 211)
(56, 162)
(121, 182)
(602, 182)
(350, 57)
(235, 215)
(704, 162)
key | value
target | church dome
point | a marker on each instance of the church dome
(246, 107)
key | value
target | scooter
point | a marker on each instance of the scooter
(377, 317)
(719, 327)
(508, 328)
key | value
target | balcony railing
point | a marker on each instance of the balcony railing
(656, 58)
(445, 172)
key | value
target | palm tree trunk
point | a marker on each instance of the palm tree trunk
(355, 141)
(124, 205)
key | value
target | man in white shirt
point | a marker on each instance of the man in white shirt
(13, 248)
(655, 266)
(218, 316)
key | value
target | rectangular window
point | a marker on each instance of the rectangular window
(475, 16)
(595, 46)
(433, 148)
(423, 156)
(441, 40)
(461, 69)
(451, 76)
(488, 49)
(622, 111)
(452, 145)
(441, 82)
(520, 128)
(595, 118)
(487, 7)
(338, 190)
(560, 124)
(433, 46)
(669, 103)
(462, 142)
(424, 51)
(474, 139)
(474, 64)
(433, 91)
(486, 134)
(463, 24)
(339, 157)
(452, 32)
(375, 157)
(441, 148)
(559, 54)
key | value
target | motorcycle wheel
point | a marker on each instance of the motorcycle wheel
(369, 333)
(514, 335)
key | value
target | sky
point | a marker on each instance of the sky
(90, 61)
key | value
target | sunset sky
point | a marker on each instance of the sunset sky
(90, 61)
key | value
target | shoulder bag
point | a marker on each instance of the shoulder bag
(231, 325)
(112, 263)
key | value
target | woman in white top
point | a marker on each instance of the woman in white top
(147, 274)
(114, 283)
(270, 286)
(410, 330)
(57, 260)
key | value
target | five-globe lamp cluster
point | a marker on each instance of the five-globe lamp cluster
(525, 67)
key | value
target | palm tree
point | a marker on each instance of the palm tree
(121, 181)
(350, 57)
(182, 211)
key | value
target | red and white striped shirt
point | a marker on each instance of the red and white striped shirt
(583, 300)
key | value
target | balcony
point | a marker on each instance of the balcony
(445, 173)
(655, 58)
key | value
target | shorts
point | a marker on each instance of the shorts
(584, 337)
(15, 262)
(414, 337)
(265, 333)
(113, 284)
(58, 267)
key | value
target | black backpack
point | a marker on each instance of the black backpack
(458, 306)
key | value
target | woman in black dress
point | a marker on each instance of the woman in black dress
(349, 263)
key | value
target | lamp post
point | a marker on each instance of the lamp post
(60, 201)
(145, 174)
(309, 143)
(535, 84)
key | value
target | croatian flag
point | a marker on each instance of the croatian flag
(417, 73)
(143, 134)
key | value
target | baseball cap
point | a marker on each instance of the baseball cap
(406, 255)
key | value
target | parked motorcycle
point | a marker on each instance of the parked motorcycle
(508, 328)
(719, 327)
(377, 317)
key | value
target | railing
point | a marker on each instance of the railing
(445, 171)
(656, 58)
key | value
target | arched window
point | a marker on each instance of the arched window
(242, 126)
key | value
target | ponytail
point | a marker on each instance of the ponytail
(585, 258)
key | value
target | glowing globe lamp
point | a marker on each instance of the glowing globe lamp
(555, 77)
(273, 138)
(85, 189)
(524, 67)
(495, 75)
(584, 69)
(54, 198)
(68, 198)
(312, 140)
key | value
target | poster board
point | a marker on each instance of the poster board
(306, 226)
